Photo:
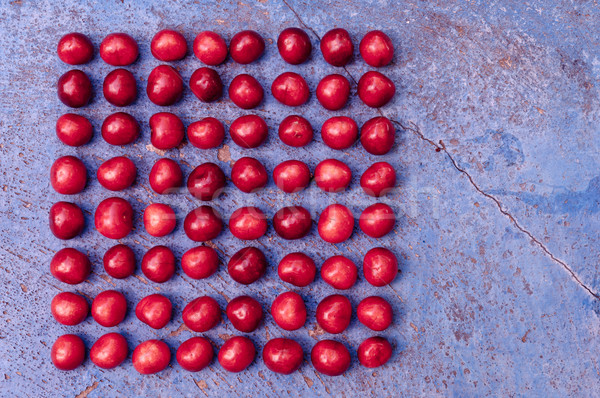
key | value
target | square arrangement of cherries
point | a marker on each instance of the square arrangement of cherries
(114, 216)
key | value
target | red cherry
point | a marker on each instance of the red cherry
(290, 89)
(109, 351)
(202, 314)
(330, 357)
(154, 310)
(119, 87)
(70, 266)
(206, 182)
(244, 313)
(249, 175)
(334, 313)
(109, 308)
(375, 89)
(114, 218)
(203, 224)
(337, 48)
(375, 313)
(246, 92)
(376, 48)
(158, 264)
(74, 89)
(377, 220)
(165, 176)
(195, 354)
(333, 92)
(210, 48)
(377, 135)
(246, 47)
(165, 85)
(336, 223)
(297, 269)
(292, 222)
(248, 223)
(119, 49)
(237, 354)
(289, 311)
(200, 262)
(378, 179)
(166, 130)
(69, 308)
(120, 129)
(117, 173)
(374, 352)
(247, 265)
(119, 261)
(66, 220)
(206, 84)
(68, 175)
(159, 219)
(294, 46)
(295, 131)
(151, 356)
(332, 175)
(206, 133)
(249, 131)
(68, 352)
(291, 176)
(74, 130)
(168, 45)
(339, 272)
(380, 266)
(283, 355)
(75, 49)
(339, 132)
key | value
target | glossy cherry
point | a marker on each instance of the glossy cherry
(292, 222)
(236, 354)
(202, 314)
(291, 176)
(339, 132)
(247, 265)
(297, 269)
(119, 261)
(206, 133)
(375, 89)
(206, 182)
(154, 310)
(336, 223)
(378, 179)
(249, 175)
(294, 45)
(158, 264)
(159, 219)
(246, 47)
(376, 48)
(375, 313)
(246, 92)
(249, 131)
(74, 89)
(377, 135)
(333, 92)
(165, 85)
(119, 49)
(377, 220)
(200, 262)
(248, 223)
(244, 313)
(290, 89)
(283, 355)
(109, 351)
(114, 218)
(374, 352)
(119, 87)
(68, 175)
(120, 129)
(337, 48)
(166, 130)
(289, 311)
(151, 356)
(330, 357)
(117, 173)
(68, 352)
(69, 308)
(66, 220)
(332, 175)
(74, 130)
(295, 131)
(380, 266)
(165, 176)
(195, 354)
(210, 48)
(75, 49)
(109, 308)
(206, 84)
(339, 272)
(168, 45)
(70, 266)
(203, 224)
(334, 313)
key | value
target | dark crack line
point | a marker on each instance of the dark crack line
(301, 21)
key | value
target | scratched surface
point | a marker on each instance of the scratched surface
(498, 202)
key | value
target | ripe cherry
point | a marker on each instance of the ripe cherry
(246, 92)
(244, 313)
(119, 87)
(151, 356)
(380, 266)
(75, 49)
(154, 310)
(109, 308)
(166, 130)
(68, 352)
(330, 357)
(69, 308)
(377, 135)
(283, 355)
(337, 48)
(159, 219)
(74, 89)
(200, 262)
(375, 89)
(292, 222)
(333, 92)
(334, 313)
(249, 131)
(378, 179)
(294, 45)
(203, 224)
(297, 269)
(374, 352)
(165, 176)
(117, 173)
(109, 351)
(68, 175)
(74, 130)
(247, 265)
(246, 47)
(202, 314)
(375, 313)
(114, 218)
(66, 220)
(291, 176)
(290, 89)
(289, 311)
(165, 85)
(336, 223)
(120, 129)
(70, 266)
(236, 354)
(168, 45)
(376, 48)
(206, 84)
(249, 175)
(195, 354)
(119, 261)
(119, 49)
(339, 132)
(377, 220)
(210, 48)
(158, 264)
(206, 182)
(332, 175)
(206, 133)
(339, 272)
(295, 131)
(248, 223)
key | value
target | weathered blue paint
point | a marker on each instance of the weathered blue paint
(506, 91)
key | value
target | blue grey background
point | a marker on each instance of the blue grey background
(498, 201)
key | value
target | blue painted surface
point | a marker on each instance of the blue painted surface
(482, 307)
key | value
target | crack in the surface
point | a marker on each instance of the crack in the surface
(301, 21)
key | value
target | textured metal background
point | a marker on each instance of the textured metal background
(498, 204)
